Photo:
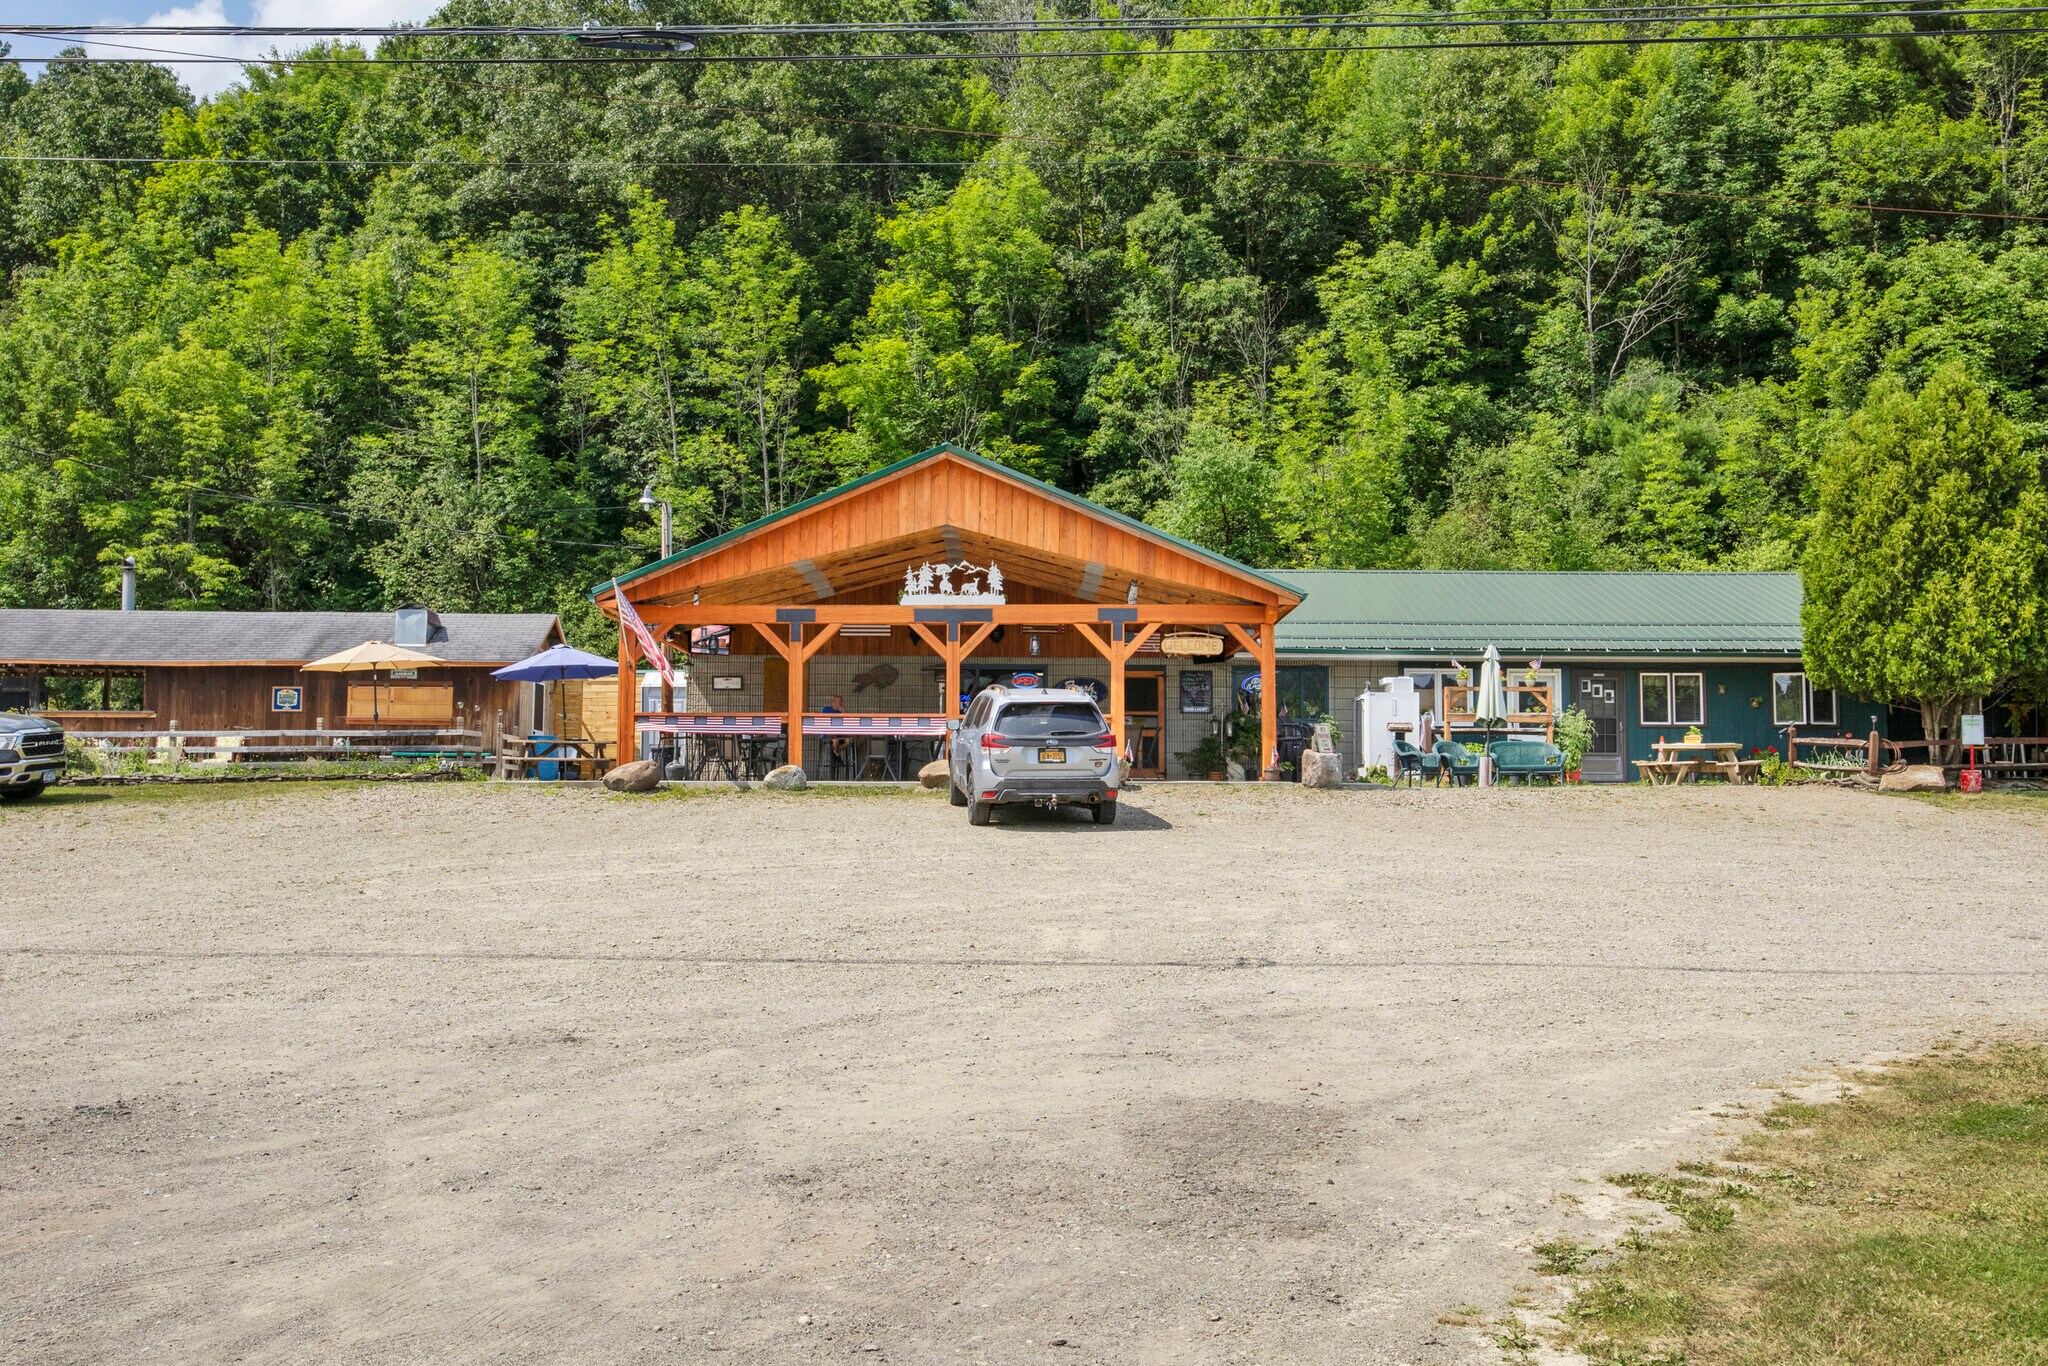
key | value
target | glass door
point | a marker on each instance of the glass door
(1599, 695)
(1144, 731)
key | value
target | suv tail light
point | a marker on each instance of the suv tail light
(990, 740)
(1106, 740)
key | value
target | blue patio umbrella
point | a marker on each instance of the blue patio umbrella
(556, 663)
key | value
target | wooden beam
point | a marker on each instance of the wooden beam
(944, 649)
(973, 642)
(1144, 634)
(772, 633)
(1244, 638)
(1007, 614)
(1087, 633)
(794, 726)
(1269, 707)
(1117, 655)
(817, 642)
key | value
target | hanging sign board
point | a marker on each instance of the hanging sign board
(1192, 645)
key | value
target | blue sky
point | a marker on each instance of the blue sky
(206, 79)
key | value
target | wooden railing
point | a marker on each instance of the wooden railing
(285, 746)
(2008, 754)
(1460, 715)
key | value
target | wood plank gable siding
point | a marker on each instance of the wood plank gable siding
(947, 491)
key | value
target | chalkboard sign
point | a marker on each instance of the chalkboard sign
(1197, 691)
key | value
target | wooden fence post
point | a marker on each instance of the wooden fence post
(1870, 753)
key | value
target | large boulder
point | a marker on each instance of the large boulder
(934, 775)
(1321, 770)
(1914, 778)
(788, 778)
(641, 775)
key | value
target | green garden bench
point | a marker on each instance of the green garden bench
(1527, 760)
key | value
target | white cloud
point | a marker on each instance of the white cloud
(212, 78)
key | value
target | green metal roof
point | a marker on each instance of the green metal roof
(1437, 612)
(1072, 499)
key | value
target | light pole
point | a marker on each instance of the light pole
(650, 502)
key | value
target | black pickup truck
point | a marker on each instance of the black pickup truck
(31, 755)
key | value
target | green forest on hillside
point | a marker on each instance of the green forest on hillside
(371, 333)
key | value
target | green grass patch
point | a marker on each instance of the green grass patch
(1906, 1224)
(133, 794)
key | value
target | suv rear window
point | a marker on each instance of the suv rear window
(1048, 720)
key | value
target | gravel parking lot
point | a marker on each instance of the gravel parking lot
(467, 1073)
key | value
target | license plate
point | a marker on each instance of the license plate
(1052, 756)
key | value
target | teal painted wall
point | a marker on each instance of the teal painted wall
(1738, 708)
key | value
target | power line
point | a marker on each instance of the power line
(1773, 10)
(1069, 54)
(1088, 155)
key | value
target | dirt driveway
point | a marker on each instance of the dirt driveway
(406, 1074)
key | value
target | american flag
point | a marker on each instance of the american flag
(649, 646)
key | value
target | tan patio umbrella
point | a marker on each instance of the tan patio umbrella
(369, 657)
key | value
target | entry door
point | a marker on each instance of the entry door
(1599, 695)
(1144, 695)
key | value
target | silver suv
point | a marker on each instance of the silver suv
(1037, 746)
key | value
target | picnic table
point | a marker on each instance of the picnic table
(872, 742)
(520, 756)
(1681, 761)
(741, 744)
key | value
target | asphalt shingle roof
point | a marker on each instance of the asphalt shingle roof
(1433, 612)
(49, 636)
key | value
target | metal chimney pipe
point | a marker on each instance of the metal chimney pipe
(128, 584)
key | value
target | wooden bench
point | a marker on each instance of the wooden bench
(1735, 770)
(1658, 772)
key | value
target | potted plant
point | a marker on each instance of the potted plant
(1574, 732)
(1693, 736)
(1243, 750)
(1206, 758)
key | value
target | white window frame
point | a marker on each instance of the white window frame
(1643, 717)
(1806, 694)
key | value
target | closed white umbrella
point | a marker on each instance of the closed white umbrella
(1490, 707)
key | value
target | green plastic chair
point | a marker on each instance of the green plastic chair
(1460, 763)
(1414, 762)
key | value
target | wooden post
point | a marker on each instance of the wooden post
(1871, 749)
(629, 700)
(1269, 705)
(795, 723)
(668, 689)
(1117, 656)
(952, 655)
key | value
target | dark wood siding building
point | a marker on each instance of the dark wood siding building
(225, 672)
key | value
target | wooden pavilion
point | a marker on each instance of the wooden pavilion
(863, 571)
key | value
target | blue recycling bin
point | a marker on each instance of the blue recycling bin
(548, 770)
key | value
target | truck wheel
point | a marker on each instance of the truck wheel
(21, 794)
(1105, 813)
(980, 813)
(954, 794)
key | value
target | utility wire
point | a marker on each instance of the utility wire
(1774, 10)
(1070, 54)
(1087, 154)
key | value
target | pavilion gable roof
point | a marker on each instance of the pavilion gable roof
(947, 501)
